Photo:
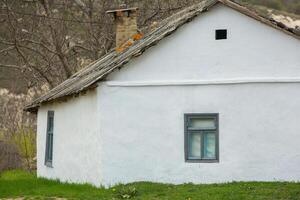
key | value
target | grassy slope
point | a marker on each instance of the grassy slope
(21, 184)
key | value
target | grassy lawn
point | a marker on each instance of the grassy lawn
(15, 184)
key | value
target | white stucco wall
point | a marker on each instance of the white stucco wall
(142, 124)
(76, 149)
(142, 131)
(131, 129)
(252, 49)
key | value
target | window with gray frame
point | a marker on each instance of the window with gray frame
(201, 137)
(49, 139)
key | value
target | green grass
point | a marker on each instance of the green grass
(22, 184)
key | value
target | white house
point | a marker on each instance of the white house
(218, 100)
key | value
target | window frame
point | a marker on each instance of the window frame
(188, 116)
(48, 160)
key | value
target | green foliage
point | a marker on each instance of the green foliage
(18, 148)
(23, 184)
(126, 192)
(25, 140)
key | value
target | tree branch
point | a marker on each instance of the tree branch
(7, 49)
(11, 66)
(41, 44)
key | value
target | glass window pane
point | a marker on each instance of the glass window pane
(202, 123)
(194, 149)
(209, 146)
(51, 148)
(48, 147)
(50, 124)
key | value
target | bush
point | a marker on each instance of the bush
(25, 141)
(9, 157)
(18, 149)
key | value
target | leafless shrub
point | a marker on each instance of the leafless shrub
(17, 130)
(9, 157)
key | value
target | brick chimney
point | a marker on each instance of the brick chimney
(126, 24)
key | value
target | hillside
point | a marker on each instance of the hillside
(289, 6)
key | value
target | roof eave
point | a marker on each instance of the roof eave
(31, 109)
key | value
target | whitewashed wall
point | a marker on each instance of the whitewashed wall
(124, 132)
(142, 127)
(142, 130)
(76, 149)
(252, 49)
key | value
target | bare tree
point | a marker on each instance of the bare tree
(46, 41)
(49, 40)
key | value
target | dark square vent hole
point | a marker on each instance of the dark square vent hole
(221, 34)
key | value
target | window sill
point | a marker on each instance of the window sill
(201, 161)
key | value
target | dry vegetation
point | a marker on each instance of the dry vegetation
(42, 43)
(288, 6)
(46, 41)
(17, 131)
